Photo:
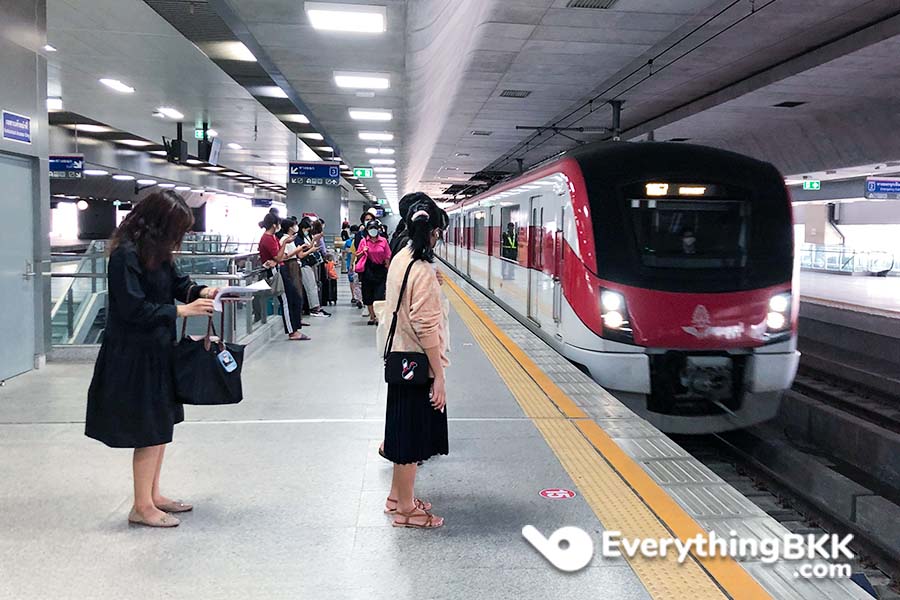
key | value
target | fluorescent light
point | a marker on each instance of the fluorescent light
(235, 146)
(366, 81)
(268, 91)
(691, 190)
(312, 136)
(376, 136)
(170, 112)
(228, 51)
(146, 182)
(118, 86)
(182, 188)
(95, 172)
(325, 148)
(121, 177)
(361, 114)
(381, 161)
(294, 118)
(198, 190)
(211, 133)
(91, 128)
(355, 18)
(231, 174)
(49, 48)
(215, 168)
(385, 170)
(657, 189)
(194, 161)
(167, 186)
(134, 143)
(54, 104)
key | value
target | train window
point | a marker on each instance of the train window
(510, 221)
(691, 235)
(479, 230)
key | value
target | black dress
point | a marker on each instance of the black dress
(131, 401)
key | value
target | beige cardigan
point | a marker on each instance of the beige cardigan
(422, 319)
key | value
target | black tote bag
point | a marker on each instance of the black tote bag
(403, 368)
(208, 371)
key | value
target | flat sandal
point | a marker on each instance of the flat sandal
(428, 524)
(420, 504)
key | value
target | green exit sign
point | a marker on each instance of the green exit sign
(198, 134)
(363, 172)
(812, 184)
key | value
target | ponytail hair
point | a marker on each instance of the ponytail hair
(422, 218)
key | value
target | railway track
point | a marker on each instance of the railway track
(782, 500)
(876, 407)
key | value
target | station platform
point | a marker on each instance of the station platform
(873, 295)
(289, 488)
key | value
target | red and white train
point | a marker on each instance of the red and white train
(664, 270)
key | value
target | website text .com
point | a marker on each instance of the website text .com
(572, 549)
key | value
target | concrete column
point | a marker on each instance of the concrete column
(817, 228)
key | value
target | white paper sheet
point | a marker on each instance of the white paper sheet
(245, 293)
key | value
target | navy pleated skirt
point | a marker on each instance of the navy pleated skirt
(413, 430)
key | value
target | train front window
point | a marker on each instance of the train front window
(691, 234)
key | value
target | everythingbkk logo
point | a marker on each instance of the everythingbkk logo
(572, 549)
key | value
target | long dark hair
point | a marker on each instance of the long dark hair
(422, 218)
(156, 227)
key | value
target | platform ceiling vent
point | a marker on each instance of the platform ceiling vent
(591, 3)
(482, 132)
(515, 93)
(788, 104)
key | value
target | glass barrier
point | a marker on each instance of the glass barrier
(80, 299)
(840, 259)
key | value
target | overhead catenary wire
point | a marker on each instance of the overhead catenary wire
(534, 141)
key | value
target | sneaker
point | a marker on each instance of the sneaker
(319, 313)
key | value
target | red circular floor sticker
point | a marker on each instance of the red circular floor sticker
(557, 493)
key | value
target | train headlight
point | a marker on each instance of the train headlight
(616, 321)
(778, 318)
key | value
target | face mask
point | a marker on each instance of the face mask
(373, 233)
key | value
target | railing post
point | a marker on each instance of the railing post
(70, 314)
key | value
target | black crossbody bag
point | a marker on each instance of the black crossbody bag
(403, 368)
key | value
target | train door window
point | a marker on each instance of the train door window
(510, 223)
(703, 234)
(479, 231)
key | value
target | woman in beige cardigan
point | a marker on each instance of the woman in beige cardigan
(416, 419)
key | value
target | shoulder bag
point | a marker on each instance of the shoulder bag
(208, 371)
(403, 368)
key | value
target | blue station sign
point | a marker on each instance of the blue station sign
(67, 167)
(883, 189)
(314, 173)
(16, 128)
(261, 202)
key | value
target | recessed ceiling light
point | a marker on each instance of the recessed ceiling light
(312, 136)
(362, 114)
(356, 18)
(462, 154)
(170, 112)
(134, 143)
(95, 172)
(235, 146)
(294, 118)
(54, 104)
(345, 167)
(90, 128)
(159, 152)
(228, 51)
(385, 170)
(215, 168)
(49, 48)
(325, 148)
(381, 161)
(146, 182)
(121, 177)
(376, 136)
(194, 161)
(167, 186)
(211, 133)
(118, 86)
(268, 91)
(231, 174)
(183, 188)
(364, 81)
(198, 190)
(244, 178)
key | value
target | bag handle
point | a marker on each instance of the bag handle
(390, 339)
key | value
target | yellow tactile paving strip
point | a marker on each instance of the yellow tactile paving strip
(617, 489)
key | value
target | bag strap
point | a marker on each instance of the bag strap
(390, 339)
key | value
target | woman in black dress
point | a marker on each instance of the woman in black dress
(131, 401)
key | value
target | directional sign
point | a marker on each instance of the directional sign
(67, 167)
(261, 202)
(16, 128)
(812, 184)
(314, 173)
(363, 172)
(883, 189)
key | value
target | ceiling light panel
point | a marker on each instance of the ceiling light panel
(170, 112)
(294, 119)
(364, 114)
(362, 81)
(135, 143)
(312, 136)
(382, 161)
(228, 51)
(118, 86)
(353, 18)
(376, 136)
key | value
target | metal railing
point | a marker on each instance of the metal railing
(840, 259)
(80, 299)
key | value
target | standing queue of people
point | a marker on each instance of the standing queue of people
(131, 400)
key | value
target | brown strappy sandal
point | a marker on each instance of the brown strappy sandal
(420, 504)
(431, 521)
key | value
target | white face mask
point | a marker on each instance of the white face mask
(373, 233)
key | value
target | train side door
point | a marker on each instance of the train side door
(535, 258)
(489, 224)
(558, 241)
(468, 222)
